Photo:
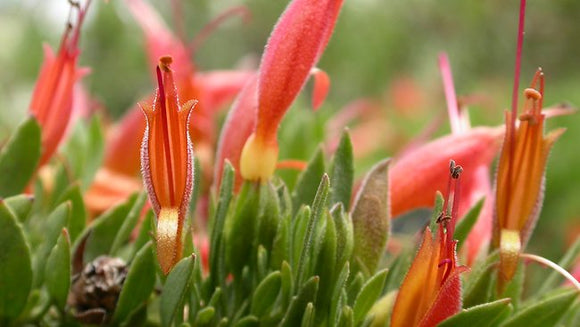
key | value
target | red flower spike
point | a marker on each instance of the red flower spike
(52, 98)
(167, 164)
(296, 43)
(431, 291)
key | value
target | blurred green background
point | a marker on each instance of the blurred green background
(376, 43)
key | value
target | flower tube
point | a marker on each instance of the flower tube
(167, 164)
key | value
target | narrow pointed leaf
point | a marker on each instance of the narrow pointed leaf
(216, 251)
(20, 205)
(248, 321)
(16, 268)
(346, 317)
(58, 270)
(145, 232)
(305, 295)
(204, 316)
(105, 228)
(465, 225)
(318, 207)
(173, 293)
(342, 172)
(138, 284)
(369, 293)
(129, 223)
(266, 293)
(546, 312)
(371, 219)
(483, 315)
(55, 222)
(305, 188)
(477, 289)
(339, 288)
(19, 158)
(308, 317)
(78, 215)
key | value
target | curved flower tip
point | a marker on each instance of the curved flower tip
(431, 291)
(167, 163)
(321, 87)
(521, 176)
(296, 43)
(52, 98)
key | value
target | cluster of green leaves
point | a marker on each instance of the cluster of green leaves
(278, 256)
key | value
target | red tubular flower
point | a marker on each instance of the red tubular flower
(475, 148)
(167, 164)
(296, 43)
(431, 291)
(118, 176)
(52, 98)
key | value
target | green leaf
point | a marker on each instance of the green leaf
(104, 230)
(78, 215)
(344, 234)
(483, 315)
(58, 270)
(339, 288)
(546, 312)
(204, 316)
(369, 293)
(216, 253)
(84, 150)
(55, 222)
(287, 283)
(299, 302)
(248, 321)
(308, 316)
(129, 224)
(326, 260)
(20, 206)
(19, 158)
(266, 293)
(566, 262)
(437, 209)
(240, 228)
(268, 216)
(370, 219)
(281, 244)
(299, 228)
(342, 172)
(318, 208)
(465, 224)
(175, 289)
(145, 232)
(138, 284)
(346, 317)
(382, 309)
(308, 180)
(477, 288)
(15, 267)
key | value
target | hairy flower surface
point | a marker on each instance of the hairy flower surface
(295, 45)
(521, 177)
(52, 99)
(431, 291)
(167, 164)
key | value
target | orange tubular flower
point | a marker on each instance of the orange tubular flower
(431, 291)
(167, 164)
(52, 99)
(294, 47)
(521, 177)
